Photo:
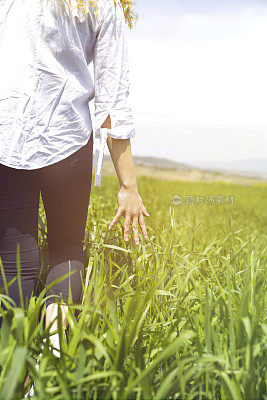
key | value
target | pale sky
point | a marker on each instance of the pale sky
(198, 74)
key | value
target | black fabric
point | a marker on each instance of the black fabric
(65, 187)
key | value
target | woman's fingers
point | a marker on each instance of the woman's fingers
(135, 229)
(116, 218)
(142, 225)
(131, 206)
(127, 223)
(137, 220)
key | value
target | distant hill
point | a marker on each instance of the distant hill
(245, 167)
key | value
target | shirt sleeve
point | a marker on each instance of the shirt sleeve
(111, 76)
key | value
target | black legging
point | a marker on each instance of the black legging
(65, 187)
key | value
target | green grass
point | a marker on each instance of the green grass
(181, 316)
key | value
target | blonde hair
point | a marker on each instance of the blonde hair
(128, 7)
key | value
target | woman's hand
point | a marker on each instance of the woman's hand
(132, 208)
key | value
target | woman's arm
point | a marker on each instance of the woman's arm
(129, 201)
(111, 73)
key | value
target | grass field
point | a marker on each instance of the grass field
(181, 316)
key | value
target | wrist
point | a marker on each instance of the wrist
(129, 186)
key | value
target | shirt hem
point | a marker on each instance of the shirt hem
(26, 167)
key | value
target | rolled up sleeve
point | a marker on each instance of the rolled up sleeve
(111, 76)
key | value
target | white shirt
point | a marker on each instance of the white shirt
(45, 83)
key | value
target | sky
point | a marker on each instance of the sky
(198, 80)
(198, 74)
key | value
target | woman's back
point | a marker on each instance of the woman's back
(45, 84)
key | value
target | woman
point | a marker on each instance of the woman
(46, 137)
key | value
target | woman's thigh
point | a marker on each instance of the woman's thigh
(19, 204)
(65, 189)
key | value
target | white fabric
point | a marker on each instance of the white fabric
(46, 86)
